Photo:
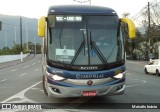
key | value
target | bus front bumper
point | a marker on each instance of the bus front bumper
(62, 92)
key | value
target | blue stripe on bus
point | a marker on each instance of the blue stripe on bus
(86, 74)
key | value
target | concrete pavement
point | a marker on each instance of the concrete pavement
(142, 63)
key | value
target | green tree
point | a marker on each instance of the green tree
(16, 49)
(38, 48)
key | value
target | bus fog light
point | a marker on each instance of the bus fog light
(118, 76)
(56, 90)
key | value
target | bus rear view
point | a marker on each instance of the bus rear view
(83, 51)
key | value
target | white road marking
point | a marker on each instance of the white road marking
(26, 67)
(39, 61)
(36, 69)
(33, 63)
(143, 81)
(128, 74)
(14, 70)
(20, 96)
(135, 79)
(42, 90)
(132, 85)
(3, 80)
(35, 88)
(22, 74)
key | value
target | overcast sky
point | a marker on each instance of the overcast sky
(37, 8)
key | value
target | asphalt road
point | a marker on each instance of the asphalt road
(22, 83)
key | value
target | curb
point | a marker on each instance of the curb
(16, 62)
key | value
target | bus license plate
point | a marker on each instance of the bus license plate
(89, 93)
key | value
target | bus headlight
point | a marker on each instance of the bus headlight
(55, 77)
(118, 76)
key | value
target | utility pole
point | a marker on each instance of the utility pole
(15, 36)
(21, 32)
(6, 44)
(149, 26)
(26, 34)
(21, 38)
(35, 49)
(0, 25)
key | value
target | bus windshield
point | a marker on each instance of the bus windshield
(84, 40)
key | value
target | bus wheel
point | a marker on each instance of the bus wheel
(145, 70)
(44, 85)
(157, 73)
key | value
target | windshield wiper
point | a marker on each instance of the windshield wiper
(119, 43)
(60, 35)
(77, 53)
(50, 32)
(98, 52)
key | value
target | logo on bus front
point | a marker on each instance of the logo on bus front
(89, 76)
(89, 82)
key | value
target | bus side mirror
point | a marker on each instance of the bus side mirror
(131, 27)
(41, 26)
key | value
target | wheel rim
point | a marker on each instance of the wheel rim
(157, 72)
(146, 71)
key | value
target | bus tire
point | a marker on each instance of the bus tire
(145, 71)
(44, 85)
